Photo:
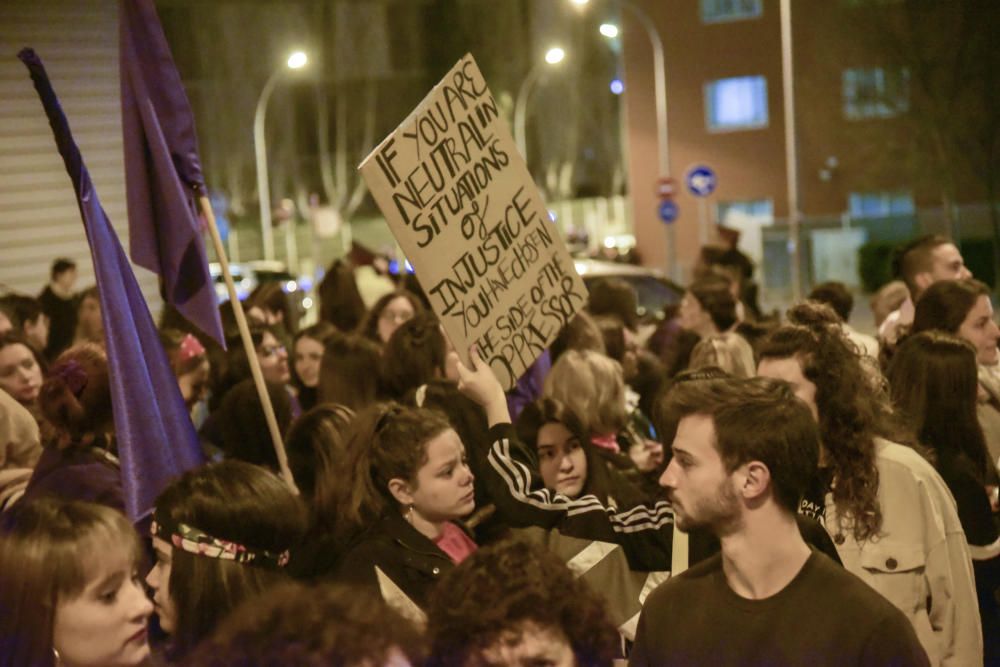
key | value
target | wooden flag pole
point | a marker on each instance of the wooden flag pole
(248, 346)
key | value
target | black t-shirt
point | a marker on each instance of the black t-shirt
(824, 616)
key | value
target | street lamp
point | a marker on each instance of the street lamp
(660, 91)
(553, 56)
(296, 60)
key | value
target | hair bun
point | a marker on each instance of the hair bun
(813, 315)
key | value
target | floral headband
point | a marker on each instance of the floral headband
(190, 348)
(196, 542)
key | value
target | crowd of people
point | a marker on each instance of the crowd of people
(714, 487)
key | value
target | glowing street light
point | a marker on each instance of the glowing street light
(296, 60)
(609, 30)
(617, 86)
(553, 56)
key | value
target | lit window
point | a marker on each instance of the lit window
(716, 11)
(873, 92)
(881, 204)
(735, 213)
(739, 103)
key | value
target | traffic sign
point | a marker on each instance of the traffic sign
(668, 211)
(666, 187)
(700, 181)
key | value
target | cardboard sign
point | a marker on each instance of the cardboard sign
(462, 205)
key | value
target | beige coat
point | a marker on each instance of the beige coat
(19, 448)
(919, 561)
(988, 409)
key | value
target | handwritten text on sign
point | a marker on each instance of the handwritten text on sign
(463, 207)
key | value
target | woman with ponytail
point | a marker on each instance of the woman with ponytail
(79, 459)
(407, 485)
(890, 514)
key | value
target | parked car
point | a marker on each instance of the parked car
(248, 275)
(658, 296)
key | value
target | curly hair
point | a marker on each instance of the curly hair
(75, 398)
(311, 626)
(851, 407)
(502, 587)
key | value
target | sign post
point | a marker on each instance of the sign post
(462, 206)
(701, 182)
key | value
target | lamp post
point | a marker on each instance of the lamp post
(297, 60)
(553, 56)
(791, 155)
(660, 92)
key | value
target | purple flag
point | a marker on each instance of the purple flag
(162, 171)
(155, 436)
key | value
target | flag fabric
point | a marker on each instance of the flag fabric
(163, 176)
(155, 437)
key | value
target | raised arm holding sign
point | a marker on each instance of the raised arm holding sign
(461, 203)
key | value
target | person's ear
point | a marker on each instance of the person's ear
(756, 480)
(401, 491)
(923, 280)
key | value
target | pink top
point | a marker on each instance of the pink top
(454, 542)
(608, 441)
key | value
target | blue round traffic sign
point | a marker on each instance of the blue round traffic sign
(700, 181)
(668, 211)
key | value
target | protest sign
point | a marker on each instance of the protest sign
(461, 203)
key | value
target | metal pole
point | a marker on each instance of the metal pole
(791, 154)
(662, 136)
(260, 152)
(521, 109)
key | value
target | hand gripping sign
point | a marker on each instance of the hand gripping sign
(461, 203)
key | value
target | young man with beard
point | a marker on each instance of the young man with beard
(742, 455)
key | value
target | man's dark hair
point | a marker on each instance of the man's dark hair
(836, 295)
(714, 293)
(916, 257)
(756, 419)
(61, 266)
(504, 585)
(25, 308)
(617, 298)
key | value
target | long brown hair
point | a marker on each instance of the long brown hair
(48, 550)
(348, 374)
(237, 502)
(316, 444)
(933, 381)
(387, 441)
(850, 404)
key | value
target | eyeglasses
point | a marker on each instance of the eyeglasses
(271, 350)
(396, 315)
